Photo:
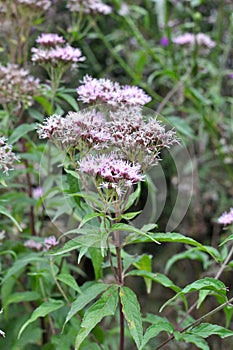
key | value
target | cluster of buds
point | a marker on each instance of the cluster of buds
(88, 7)
(7, 157)
(17, 87)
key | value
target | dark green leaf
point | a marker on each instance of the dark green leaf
(131, 311)
(191, 338)
(204, 330)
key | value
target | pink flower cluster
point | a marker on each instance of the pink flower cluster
(7, 157)
(111, 172)
(53, 50)
(48, 244)
(50, 40)
(226, 218)
(35, 4)
(82, 130)
(17, 86)
(89, 6)
(190, 39)
(105, 91)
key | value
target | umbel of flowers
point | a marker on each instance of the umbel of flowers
(17, 87)
(114, 146)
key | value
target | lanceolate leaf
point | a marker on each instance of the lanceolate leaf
(23, 296)
(169, 237)
(131, 311)
(105, 306)
(43, 310)
(145, 263)
(154, 330)
(208, 283)
(85, 298)
(20, 131)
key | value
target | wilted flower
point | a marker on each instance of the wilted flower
(105, 91)
(190, 39)
(111, 172)
(16, 86)
(7, 157)
(88, 6)
(226, 218)
(50, 242)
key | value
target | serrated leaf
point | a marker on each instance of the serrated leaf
(145, 264)
(6, 213)
(20, 131)
(191, 338)
(69, 281)
(85, 298)
(204, 330)
(43, 310)
(132, 314)
(105, 306)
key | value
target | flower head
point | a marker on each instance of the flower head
(50, 242)
(164, 41)
(226, 218)
(7, 157)
(190, 39)
(83, 130)
(89, 6)
(17, 87)
(35, 4)
(111, 172)
(32, 244)
(105, 91)
(50, 40)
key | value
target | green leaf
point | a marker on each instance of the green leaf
(131, 311)
(85, 298)
(6, 213)
(20, 297)
(154, 330)
(97, 259)
(70, 100)
(192, 254)
(140, 232)
(145, 264)
(20, 131)
(89, 217)
(204, 330)
(156, 277)
(105, 306)
(21, 263)
(69, 281)
(191, 338)
(43, 310)
(171, 237)
(208, 283)
(182, 126)
(129, 216)
(133, 197)
(229, 238)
